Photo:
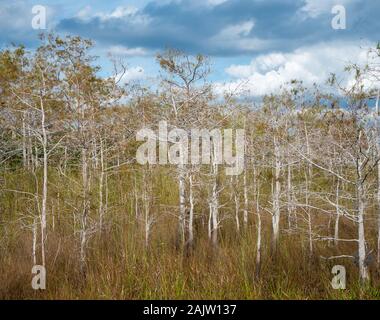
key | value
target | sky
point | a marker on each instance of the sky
(255, 45)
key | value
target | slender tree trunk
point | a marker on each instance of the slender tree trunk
(214, 201)
(237, 209)
(182, 205)
(44, 184)
(290, 198)
(191, 213)
(83, 233)
(101, 187)
(53, 215)
(36, 159)
(24, 148)
(276, 197)
(95, 153)
(214, 205)
(136, 199)
(308, 213)
(65, 161)
(245, 194)
(308, 151)
(258, 215)
(336, 228)
(209, 222)
(34, 246)
(29, 147)
(147, 224)
(363, 270)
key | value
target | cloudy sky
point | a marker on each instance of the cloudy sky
(260, 43)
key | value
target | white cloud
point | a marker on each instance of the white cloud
(127, 52)
(195, 3)
(133, 74)
(84, 13)
(237, 30)
(313, 64)
(121, 12)
(129, 13)
(237, 37)
(314, 8)
(215, 2)
(263, 63)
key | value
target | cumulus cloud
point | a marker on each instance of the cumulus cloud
(314, 8)
(238, 37)
(123, 13)
(84, 13)
(215, 2)
(213, 27)
(132, 74)
(225, 27)
(312, 64)
(127, 52)
(285, 38)
(237, 30)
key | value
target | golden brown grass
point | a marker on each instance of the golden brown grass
(119, 265)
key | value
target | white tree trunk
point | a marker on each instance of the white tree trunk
(35, 158)
(83, 232)
(309, 221)
(136, 199)
(147, 223)
(24, 149)
(276, 196)
(363, 270)
(53, 216)
(336, 228)
(101, 187)
(258, 215)
(34, 245)
(182, 204)
(237, 209)
(65, 160)
(290, 198)
(308, 150)
(44, 184)
(209, 222)
(214, 206)
(29, 147)
(245, 194)
(191, 213)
